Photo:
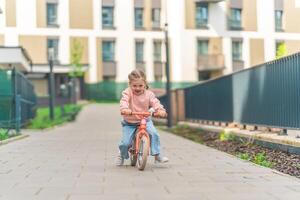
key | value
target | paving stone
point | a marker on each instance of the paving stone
(77, 161)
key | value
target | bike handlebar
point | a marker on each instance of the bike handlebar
(146, 114)
(138, 113)
(141, 113)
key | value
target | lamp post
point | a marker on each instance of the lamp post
(168, 84)
(51, 83)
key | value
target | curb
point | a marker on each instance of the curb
(15, 138)
(266, 139)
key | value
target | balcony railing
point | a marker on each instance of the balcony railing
(109, 69)
(234, 24)
(210, 62)
(140, 65)
(158, 69)
(237, 65)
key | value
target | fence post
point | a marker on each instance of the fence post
(18, 112)
(17, 101)
(181, 105)
(174, 107)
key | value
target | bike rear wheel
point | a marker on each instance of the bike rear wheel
(133, 159)
(143, 153)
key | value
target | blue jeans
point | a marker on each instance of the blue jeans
(128, 134)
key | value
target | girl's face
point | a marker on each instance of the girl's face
(137, 86)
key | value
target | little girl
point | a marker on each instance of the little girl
(137, 98)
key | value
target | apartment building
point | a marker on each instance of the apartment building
(207, 38)
(116, 35)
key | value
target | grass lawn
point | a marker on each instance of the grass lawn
(42, 120)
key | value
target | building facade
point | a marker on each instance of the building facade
(207, 38)
(231, 35)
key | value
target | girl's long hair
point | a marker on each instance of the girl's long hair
(138, 74)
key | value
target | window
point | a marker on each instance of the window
(202, 47)
(156, 18)
(107, 17)
(52, 14)
(139, 51)
(108, 51)
(138, 17)
(201, 15)
(237, 50)
(157, 51)
(235, 21)
(52, 43)
(278, 20)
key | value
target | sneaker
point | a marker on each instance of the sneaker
(161, 159)
(119, 160)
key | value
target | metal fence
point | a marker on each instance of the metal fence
(108, 90)
(17, 99)
(264, 95)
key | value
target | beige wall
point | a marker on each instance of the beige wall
(249, 15)
(257, 55)
(291, 16)
(1, 40)
(41, 13)
(40, 86)
(81, 14)
(11, 13)
(292, 46)
(36, 47)
(215, 46)
(85, 51)
(147, 15)
(190, 14)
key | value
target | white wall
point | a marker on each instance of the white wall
(176, 22)
(125, 39)
(266, 26)
(93, 71)
(26, 14)
(217, 17)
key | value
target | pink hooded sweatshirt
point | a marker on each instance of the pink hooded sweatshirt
(138, 103)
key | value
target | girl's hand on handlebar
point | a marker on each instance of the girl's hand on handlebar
(126, 112)
(161, 113)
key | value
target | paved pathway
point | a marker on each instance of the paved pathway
(76, 162)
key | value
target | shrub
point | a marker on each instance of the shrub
(3, 134)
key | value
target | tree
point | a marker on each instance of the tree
(281, 50)
(76, 55)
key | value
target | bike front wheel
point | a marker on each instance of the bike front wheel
(143, 153)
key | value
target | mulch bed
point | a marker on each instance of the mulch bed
(284, 162)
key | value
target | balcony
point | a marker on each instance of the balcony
(237, 65)
(15, 57)
(210, 62)
(158, 69)
(140, 65)
(43, 68)
(235, 25)
(109, 68)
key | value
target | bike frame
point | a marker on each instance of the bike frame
(139, 156)
(140, 133)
